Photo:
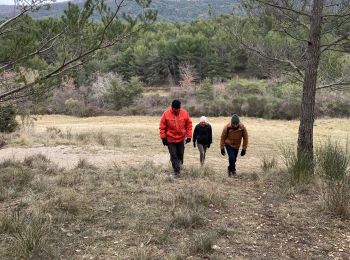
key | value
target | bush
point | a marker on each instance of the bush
(287, 91)
(255, 106)
(333, 166)
(300, 167)
(8, 121)
(121, 94)
(240, 86)
(206, 90)
(152, 104)
(74, 107)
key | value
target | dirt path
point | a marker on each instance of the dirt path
(268, 226)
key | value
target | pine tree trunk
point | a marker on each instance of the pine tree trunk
(305, 137)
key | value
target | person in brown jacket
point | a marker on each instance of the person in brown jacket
(231, 139)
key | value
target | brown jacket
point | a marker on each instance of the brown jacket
(233, 137)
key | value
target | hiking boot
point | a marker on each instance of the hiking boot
(176, 174)
(231, 173)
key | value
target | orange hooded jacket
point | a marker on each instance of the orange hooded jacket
(175, 128)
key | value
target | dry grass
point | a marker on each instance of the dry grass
(134, 209)
(136, 139)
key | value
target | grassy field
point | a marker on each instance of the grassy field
(123, 140)
(102, 189)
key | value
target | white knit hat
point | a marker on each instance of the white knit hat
(203, 119)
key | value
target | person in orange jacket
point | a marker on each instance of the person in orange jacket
(175, 131)
(231, 139)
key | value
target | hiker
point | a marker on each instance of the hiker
(231, 139)
(202, 134)
(175, 129)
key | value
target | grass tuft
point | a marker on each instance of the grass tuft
(203, 244)
(186, 219)
(333, 166)
(300, 167)
(268, 163)
(29, 234)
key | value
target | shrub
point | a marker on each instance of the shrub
(240, 86)
(8, 121)
(255, 106)
(205, 90)
(74, 107)
(287, 90)
(300, 166)
(120, 93)
(333, 166)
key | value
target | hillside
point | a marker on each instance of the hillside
(169, 10)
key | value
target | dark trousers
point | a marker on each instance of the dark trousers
(176, 151)
(232, 157)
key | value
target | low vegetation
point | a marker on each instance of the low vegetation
(136, 209)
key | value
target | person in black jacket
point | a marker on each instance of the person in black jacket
(203, 136)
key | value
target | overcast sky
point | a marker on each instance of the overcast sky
(11, 2)
(6, 2)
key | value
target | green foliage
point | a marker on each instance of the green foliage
(73, 107)
(157, 55)
(300, 167)
(8, 121)
(38, 53)
(333, 166)
(287, 90)
(333, 161)
(121, 93)
(206, 90)
(240, 86)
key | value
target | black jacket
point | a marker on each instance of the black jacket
(202, 135)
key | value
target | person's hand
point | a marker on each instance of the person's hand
(165, 141)
(223, 151)
(243, 152)
(208, 145)
(194, 144)
(188, 140)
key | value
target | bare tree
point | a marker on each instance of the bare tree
(311, 31)
(66, 44)
(188, 75)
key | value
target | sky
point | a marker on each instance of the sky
(11, 2)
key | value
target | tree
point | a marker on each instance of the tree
(295, 37)
(48, 49)
(121, 94)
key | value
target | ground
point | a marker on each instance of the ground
(106, 192)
